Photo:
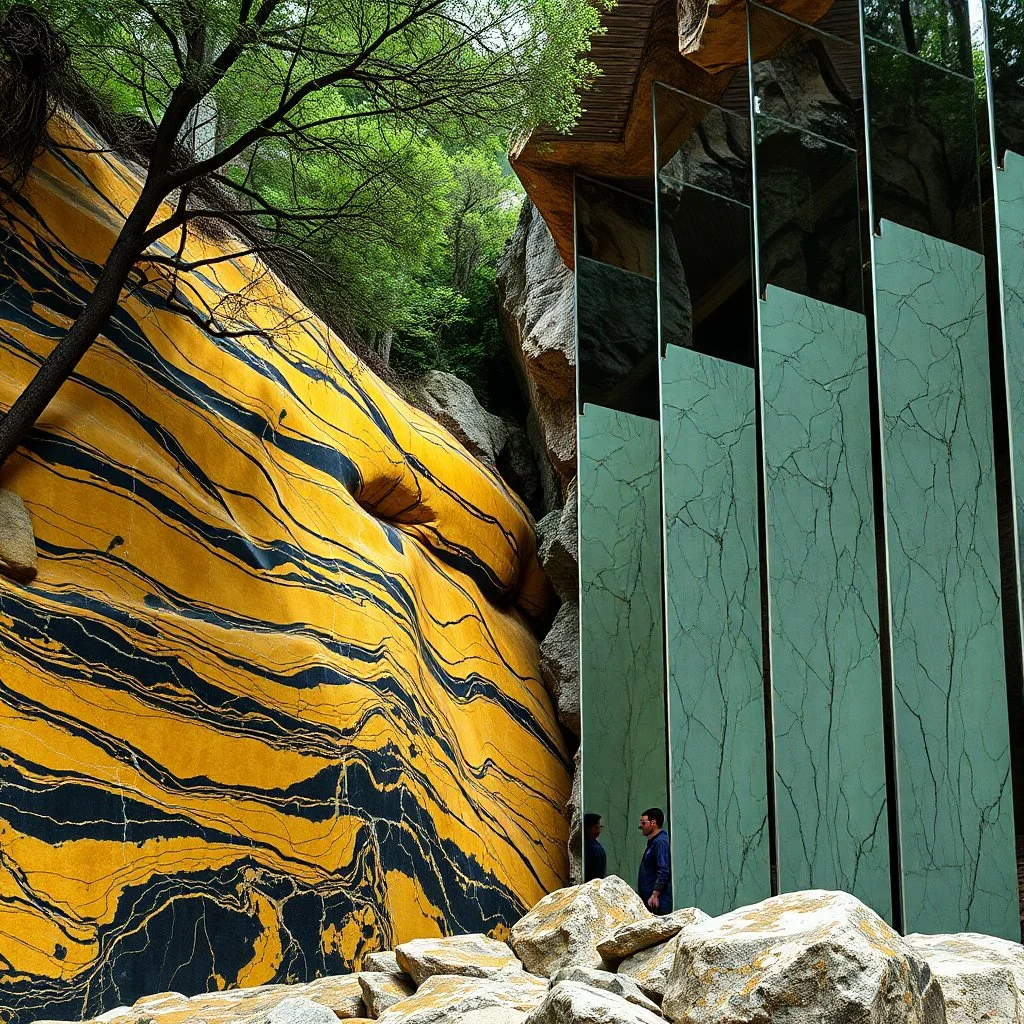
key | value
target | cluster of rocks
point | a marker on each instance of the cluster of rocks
(594, 954)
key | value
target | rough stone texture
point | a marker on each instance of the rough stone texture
(576, 822)
(382, 990)
(494, 1015)
(473, 956)
(650, 968)
(801, 957)
(563, 929)
(383, 960)
(560, 665)
(17, 539)
(340, 995)
(495, 440)
(535, 303)
(981, 977)
(572, 1003)
(650, 931)
(444, 998)
(560, 649)
(556, 547)
(618, 984)
(297, 1011)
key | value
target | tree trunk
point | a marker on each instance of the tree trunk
(383, 346)
(61, 362)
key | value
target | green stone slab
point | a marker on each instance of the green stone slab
(823, 593)
(621, 634)
(953, 762)
(720, 852)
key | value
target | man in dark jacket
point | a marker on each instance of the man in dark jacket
(595, 862)
(655, 879)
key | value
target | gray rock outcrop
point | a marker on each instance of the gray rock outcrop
(473, 956)
(638, 935)
(651, 967)
(443, 999)
(381, 990)
(495, 440)
(572, 1003)
(17, 538)
(535, 304)
(982, 978)
(617, 984)
(800, 958)
(564, 928)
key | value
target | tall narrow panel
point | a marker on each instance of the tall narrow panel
(829, 749)
(716, 695)
(1010, 184)
(959, 871)
(623, 709)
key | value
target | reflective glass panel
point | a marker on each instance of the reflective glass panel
(622, 666)
(924, 146)
(938, 31)
(830, 761)
(805, 77)
(1005, 22)
(955, 798)
(808, 215)
(713, 582)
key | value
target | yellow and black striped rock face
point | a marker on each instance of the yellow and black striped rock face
(271, 702)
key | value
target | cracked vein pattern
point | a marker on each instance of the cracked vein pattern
(270, 703)
(826, 677)
(951, 724)
(716, 687)
(1010, 183)
(623, 674)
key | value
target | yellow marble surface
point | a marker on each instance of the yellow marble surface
(272, 701)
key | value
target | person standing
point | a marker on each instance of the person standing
(654, 882)
(595, 861)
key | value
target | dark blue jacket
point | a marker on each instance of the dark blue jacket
(656, 872)
(595, 860)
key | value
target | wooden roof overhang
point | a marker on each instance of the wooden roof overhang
(693, 45)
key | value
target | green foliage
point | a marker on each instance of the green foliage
(357, 142)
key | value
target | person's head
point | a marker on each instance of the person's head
(651, 821)
(592, 825)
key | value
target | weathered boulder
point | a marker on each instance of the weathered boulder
(339, 995)
(495, 440)
(535, 305)
(444, 998)
(473, 956)
(572, 1003)
(296, 1010)
(618, 984)
(17, 539)
(382, 990)
(383, 960)
(649, 931)
(564, 928)
(650, 968)
(801, 957)
(981, 977)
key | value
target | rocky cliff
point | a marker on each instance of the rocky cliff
(272, 701)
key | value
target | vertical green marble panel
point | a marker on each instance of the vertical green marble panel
(1010, 185)
(953, 764)
(716, 690)
(823, 592)
(622, 660)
